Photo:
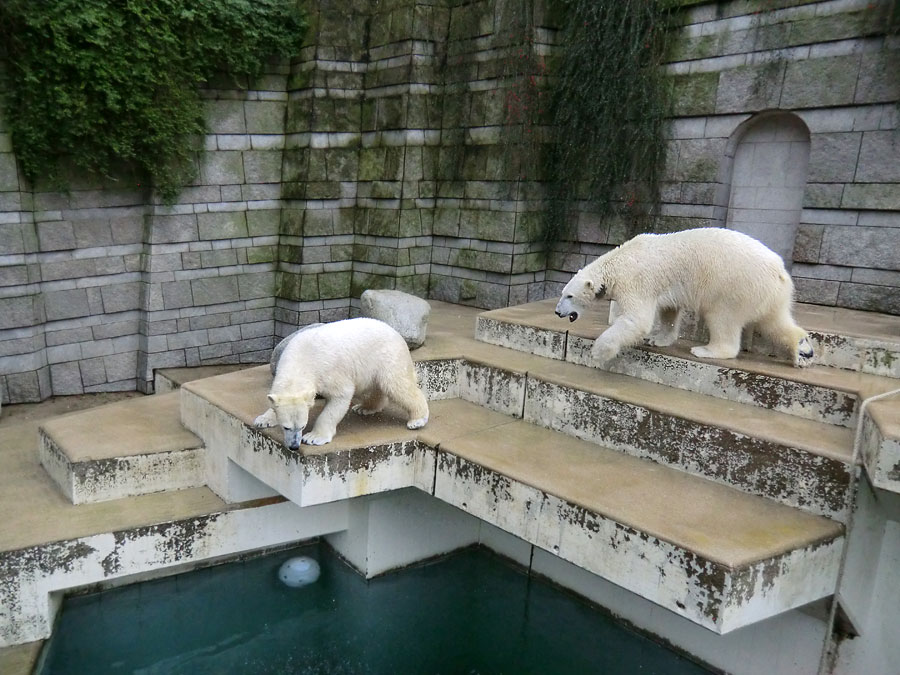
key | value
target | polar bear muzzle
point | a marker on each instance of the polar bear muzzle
(292, 437)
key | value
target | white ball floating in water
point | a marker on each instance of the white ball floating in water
(300, 571)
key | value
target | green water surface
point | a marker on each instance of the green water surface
(468, 613)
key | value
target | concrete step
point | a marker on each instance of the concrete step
(123, 449)
(818, 393)
(794, 461)
(719, 557)
(865, 342)
(166, 380)
(880, 443)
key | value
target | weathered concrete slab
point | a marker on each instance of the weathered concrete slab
(818, 393)
(775, 469)
(125, 449)
(31, 575)
(676, 367)
(534, 340)
(881, 443)
(719, 557)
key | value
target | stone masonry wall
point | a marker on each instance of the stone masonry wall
(375, 160)
(101, 284)
(830, 65)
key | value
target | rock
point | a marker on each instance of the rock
(405, 313)
(279, 348)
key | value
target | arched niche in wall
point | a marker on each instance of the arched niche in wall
(769, 158)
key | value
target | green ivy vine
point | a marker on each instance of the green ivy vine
(101, 83)
(609, 102)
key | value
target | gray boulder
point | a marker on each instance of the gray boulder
(405, 313)
(279, 348)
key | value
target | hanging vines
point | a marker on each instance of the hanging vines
(104, 82)
(609, 102)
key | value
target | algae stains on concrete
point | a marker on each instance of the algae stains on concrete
(262, 444)
(707, 582)
(876, 357)
(774, 393)
(344, 463)
(882, 361)
(60, 556)
(493, 388)
(541, 342)
(18, 572)
(438, 379)
(498, 486)
(169, 543)
(788, 475)
(759, 389)
(118, 477)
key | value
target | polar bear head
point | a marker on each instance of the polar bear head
(292, 414)
(578, 295)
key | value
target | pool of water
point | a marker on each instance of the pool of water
(470, 613)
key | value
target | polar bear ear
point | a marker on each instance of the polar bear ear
(588, 284)
(273, 399)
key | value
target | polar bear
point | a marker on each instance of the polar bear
(342, 360)
(730, 279)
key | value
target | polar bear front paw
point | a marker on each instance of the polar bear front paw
(266, 420)
(417, 424)
(312, 438)
(702, 352)
(360, 409)
(602, 352)
(805, 353)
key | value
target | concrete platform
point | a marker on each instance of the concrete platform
(824, 394)
(121, 450)
(48, 545)
(793, 460)
(485, 453)
(697, 548)
(819, 392)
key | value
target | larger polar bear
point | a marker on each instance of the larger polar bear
(730, 279)
(354, 358)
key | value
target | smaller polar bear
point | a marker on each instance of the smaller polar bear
(342, 360)
(729, 278)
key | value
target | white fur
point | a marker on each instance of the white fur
(342, 360)
(730, 279)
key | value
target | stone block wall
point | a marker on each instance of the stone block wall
(827, 64)
(376, 159)
(486, 208)
(101, 284)
(209, 260)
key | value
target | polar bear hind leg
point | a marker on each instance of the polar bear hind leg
(405, 393)
(666, 328)
(724, 335)
(787, 336)
(373, 402)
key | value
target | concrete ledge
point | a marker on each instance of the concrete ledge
(881, 443)
(741, 558)
(817, 393)
(124, 449)
(99, 480)
(773, 469)
(29, 597)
